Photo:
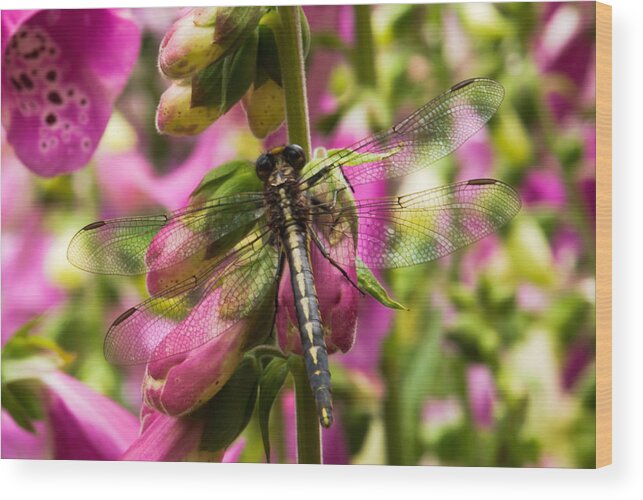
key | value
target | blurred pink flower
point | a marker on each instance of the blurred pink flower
(587, 188)
(475, 157)
(85, 424)
(129, 183)
(26, 290)
(62, 71)
(17, 196)
(543, 187)
(566, 48)
(22, 444)
(566, 244)
(438, 413)
(531, 298)
(481, 390)
(374, 322)
(171, 439)
(477, 257)
(80, 424)
(164, 438)
(323, 19)
(577, 358)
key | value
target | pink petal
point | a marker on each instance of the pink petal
(26, 291)
(544, 187)
(85, 424)
(22, 444)
(165, 438)
(180, 384)
(233, 453)
(62, 72)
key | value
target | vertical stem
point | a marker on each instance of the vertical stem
(364, 51)
(308, 428)
(293, 75)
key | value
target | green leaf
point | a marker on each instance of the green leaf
(233, 24)
(25, 356)
(369, 283)
(268, 65)
(224, 82)
(22, 401)
(237, 176)
(272, 379)
(227, 414)
(239, 72)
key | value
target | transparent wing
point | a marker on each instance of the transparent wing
(432, 132)
(136, 245)
(407, 230)
(200, 308)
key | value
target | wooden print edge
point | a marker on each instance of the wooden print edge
(603, 234)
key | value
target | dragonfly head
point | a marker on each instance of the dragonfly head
(280, 163)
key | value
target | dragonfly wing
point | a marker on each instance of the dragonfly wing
(432, 132)
(407, 230)
(136, 245)
(198, 309)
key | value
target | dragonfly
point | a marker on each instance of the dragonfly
(240, 243)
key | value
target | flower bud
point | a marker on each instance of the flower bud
(264, 106)
(203, 36)
(180, 384)
(188, 48)
(175, 116)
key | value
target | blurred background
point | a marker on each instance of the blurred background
(493, 364)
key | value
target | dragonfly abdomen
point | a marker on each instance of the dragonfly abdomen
(311, 330)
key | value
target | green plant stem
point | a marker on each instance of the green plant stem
(293, 76)
(308, 429)
(364, 51)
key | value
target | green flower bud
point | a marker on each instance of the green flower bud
(175, 116)
(188, 48)
(203, 36)
(264, 106)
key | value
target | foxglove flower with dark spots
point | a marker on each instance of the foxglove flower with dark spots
(58, 94)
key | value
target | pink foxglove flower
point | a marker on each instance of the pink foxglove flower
(481, 389)
(544, 187)
(85, 424)
(80, 424)
(164, 438)
(57, 93)
(20, 443)
(171, 439)
(181, 383)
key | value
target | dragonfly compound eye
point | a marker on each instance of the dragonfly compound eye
(264, 166)
(295, 156)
